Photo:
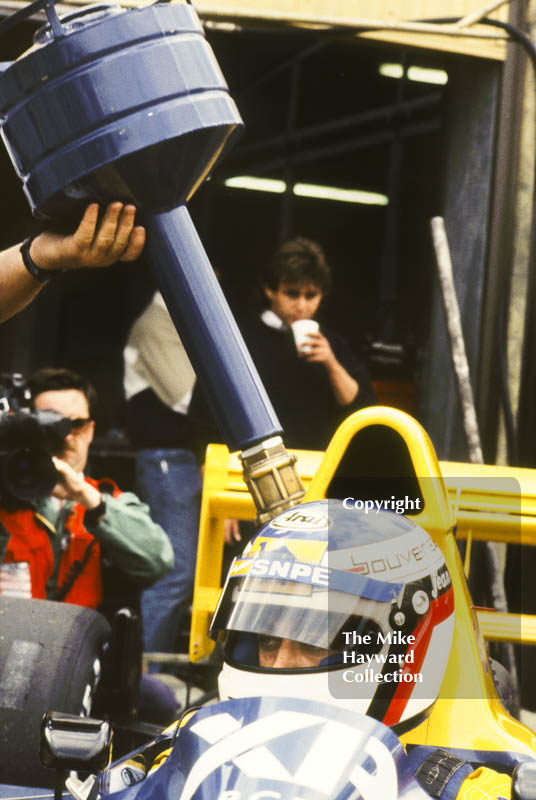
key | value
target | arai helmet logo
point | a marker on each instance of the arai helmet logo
(296, 520)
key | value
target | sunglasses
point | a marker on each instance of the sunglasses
(79, 423)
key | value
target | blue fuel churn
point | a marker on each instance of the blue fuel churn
(114, 104)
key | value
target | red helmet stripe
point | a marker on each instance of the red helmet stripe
(440, 609)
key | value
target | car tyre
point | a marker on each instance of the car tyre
(50, 660)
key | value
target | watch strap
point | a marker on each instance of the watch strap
(93, 515)
(40, 274)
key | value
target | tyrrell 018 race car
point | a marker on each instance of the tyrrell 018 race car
(276, 748)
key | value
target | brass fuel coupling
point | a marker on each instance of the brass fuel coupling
(271, 477)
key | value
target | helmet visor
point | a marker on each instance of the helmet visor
(297, 607)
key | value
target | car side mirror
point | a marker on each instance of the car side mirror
(69, 742)
(524, 781)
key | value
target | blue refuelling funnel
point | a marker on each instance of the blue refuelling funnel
(111, 104)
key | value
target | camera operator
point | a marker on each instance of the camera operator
(26, 267)
(64, 544)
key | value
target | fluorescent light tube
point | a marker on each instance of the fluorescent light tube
(418, 74)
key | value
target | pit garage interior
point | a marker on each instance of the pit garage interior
(404, 127)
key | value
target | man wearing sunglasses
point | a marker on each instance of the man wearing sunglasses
(70, 542)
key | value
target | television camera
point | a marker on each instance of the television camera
(28, 440)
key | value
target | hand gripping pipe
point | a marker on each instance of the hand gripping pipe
(131, 105)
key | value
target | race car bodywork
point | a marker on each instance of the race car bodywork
(284, 748)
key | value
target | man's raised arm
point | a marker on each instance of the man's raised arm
(24, 269)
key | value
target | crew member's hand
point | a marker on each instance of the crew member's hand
(320, 351)
(94, 243)
(231, 531)
(72, 486)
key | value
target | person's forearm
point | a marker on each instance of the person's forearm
(345, 388)
(17, 287)
(94, 244)
(132, 540)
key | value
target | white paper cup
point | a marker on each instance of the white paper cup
(301, 330)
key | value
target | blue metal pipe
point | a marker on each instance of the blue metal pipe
(208, 330)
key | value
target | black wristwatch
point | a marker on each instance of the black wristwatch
(40, 274)
(92, 516)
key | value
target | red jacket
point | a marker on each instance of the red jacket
(30, 542)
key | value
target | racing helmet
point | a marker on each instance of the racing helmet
(366, 598)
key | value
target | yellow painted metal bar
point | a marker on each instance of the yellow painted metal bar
(501, 627)
(232, 504)
(495, 528)
(467, 559)
(496, 503)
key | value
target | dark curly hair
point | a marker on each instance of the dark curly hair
(49, 379)
(298, 261)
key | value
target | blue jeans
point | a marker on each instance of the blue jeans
(170, 482)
